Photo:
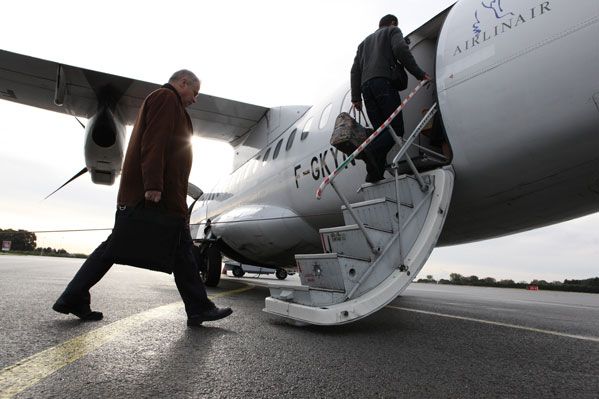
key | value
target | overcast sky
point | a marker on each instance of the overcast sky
(262, 52)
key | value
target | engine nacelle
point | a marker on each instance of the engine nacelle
(104, 146)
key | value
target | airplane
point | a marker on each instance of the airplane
(514, 96)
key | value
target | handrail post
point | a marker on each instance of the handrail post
(374, 249)
(421, 182)
(416, 131)
(399, 232)
(403, 151)
(402, 144)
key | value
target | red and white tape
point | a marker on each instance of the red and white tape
(361, 147)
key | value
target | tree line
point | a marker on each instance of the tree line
(590, 285)
(25, 242)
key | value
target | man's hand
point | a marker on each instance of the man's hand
(153, 196)
(427, 77)
(357, 105)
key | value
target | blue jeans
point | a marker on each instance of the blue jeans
(187, 278)
(381, 99)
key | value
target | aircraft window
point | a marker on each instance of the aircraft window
(306, 130)
(290, 140)
(324, 118)
(266, 156)
(277, 149)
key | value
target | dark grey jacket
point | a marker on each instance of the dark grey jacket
(375, 56)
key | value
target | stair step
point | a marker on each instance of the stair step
(379, 213)
(386, 189)
(330, 271)
(350, 241)
(339, 289)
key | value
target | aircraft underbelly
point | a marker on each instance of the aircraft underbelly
(264, 232)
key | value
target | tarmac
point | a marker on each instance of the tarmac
(433, 341)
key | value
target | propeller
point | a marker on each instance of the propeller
(81, 172)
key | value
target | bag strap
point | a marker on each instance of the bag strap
(359, 116)
(142, 204)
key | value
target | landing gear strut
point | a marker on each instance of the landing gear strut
(209, 260)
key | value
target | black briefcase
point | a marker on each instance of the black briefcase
(146, 237)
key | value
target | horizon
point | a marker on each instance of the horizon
(256, 59)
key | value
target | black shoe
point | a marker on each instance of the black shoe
(373, 179)
(374, 170)
(82, 311)
(382, 166)
(208, 315)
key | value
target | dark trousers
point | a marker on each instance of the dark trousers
(187, 278)
(381, 99)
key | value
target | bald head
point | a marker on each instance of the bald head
(187, 85)
(184, 74)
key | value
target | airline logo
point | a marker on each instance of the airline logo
(495, 7)
(493, 18)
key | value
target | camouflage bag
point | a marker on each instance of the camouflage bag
(348, 133)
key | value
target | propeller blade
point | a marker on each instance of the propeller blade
(82, 171)
(81, 123)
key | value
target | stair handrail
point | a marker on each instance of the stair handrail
(405, 144)
(329, 179)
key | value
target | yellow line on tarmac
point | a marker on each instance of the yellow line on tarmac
(497, 323)
(29, 371)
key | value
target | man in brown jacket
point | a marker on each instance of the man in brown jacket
(156, 169)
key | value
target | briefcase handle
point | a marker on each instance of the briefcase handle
(143, 204)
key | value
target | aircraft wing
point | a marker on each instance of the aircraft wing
(45, 84)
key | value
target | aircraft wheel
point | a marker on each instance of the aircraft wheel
(238, 271)
(210, 262)
(281, 274)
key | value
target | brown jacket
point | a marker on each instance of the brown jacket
(159, 154)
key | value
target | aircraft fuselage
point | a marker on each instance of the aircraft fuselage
(516, 84)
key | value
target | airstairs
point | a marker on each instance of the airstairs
(384, 243)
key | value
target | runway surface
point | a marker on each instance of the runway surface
(433, 341)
